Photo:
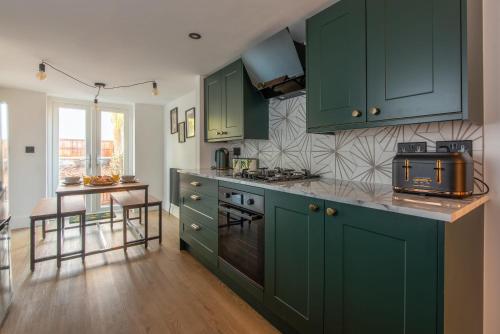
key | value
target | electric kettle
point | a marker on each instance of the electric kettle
(222, 159)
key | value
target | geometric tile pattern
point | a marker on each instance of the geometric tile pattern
(360, 154)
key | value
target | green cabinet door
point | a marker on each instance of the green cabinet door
(413, 58)
(380, 272)
(232, 95)
(294, 260)
(213, 105)
(336, 65)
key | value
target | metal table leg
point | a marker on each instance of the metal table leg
(83, 222)
(125, 218)
(160, 221)
(146, 218)
(58, 256)
(43, 229)
(32, 244)
(111, 211)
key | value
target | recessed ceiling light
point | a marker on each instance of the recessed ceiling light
(194, 35)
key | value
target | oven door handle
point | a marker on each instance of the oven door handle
(238, 213)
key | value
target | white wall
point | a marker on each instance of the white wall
(27, 172)
(491, 12)
(149, 147)
(181, 155)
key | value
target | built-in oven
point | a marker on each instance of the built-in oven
(241, 232)
(5, 268)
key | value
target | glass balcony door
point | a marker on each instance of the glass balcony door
(112, 157)
(89, 141)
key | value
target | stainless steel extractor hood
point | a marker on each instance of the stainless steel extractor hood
(276, 66)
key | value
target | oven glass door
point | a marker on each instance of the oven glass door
(241, 241)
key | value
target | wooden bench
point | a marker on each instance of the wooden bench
(135, 200)
(46, 209)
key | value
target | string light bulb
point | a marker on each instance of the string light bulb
(155, 91)
(41, 74)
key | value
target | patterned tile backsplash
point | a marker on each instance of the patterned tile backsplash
(362, 154)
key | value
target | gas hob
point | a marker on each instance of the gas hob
(276, 174)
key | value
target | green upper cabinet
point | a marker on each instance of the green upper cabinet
(414, 59)
(389, 62)
(336, 65)
(294, 260)
(380, 272)
(234, 109)
(213, 105)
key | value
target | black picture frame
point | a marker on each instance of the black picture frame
(181, 127)
(174, 120)
(190, 122)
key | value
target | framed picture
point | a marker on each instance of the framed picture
(173, 121)
(190, 122)
(182, 132)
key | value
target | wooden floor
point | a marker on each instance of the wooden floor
(162, 290)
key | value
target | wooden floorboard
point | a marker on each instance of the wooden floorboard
(161, 290)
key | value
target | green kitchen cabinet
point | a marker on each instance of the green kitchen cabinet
(339, 268)
(414, 59)
(234, 109)
(213, 105)
(336, 66)
(390, 62)
(294, 260)
(380, 271)
(198, 218)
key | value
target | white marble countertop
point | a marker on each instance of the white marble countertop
(370, 195)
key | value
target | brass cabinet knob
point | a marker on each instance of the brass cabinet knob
(375, 111)
(313, 207)
(195, 227)
(356, 113)
(331, 212)
(195, 197)
(195, 184)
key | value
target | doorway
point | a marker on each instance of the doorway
(90, 141)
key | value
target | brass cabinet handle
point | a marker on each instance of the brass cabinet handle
(375, 111)
(195, 184)
(223, 132)
(356, 113)
(219, 132)
(195, 197)
(195, 227)
(313, 207)
(331, 212)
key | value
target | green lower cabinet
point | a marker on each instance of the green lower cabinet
(380, 272)
(294, 260)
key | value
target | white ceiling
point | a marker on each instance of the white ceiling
(126, 41)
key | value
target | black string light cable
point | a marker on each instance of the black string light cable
(42, 75)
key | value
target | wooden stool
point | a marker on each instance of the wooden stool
(135, 200)
(45, 209)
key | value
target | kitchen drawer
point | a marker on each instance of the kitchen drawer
(201, 240)
(199, 202)
(198, 184)
(187, 212)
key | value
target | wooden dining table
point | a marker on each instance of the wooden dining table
(76, 190)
